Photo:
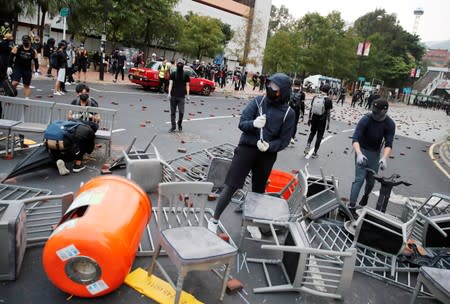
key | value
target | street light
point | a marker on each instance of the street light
(103, 43)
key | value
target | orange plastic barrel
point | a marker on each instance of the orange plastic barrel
(93, 248)
(278, 180)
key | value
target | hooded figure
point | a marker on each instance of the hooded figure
(267, 124)
(283, 93)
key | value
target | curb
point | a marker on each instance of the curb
(441, 146)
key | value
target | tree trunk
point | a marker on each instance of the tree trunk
(41, 26)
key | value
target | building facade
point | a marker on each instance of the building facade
(437, 57)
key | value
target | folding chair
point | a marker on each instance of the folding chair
(319, 272)
(323, 196)
(147, 168)
(263, 209)
(190, 246)
(436, 280)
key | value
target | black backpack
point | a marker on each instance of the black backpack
(54, 60)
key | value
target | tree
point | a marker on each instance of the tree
(202, 36)
(279, 59)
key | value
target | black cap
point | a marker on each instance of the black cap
(381, 104)
(26, 38)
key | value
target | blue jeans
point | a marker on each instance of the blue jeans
(373, 157)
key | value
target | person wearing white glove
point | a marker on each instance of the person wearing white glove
(267, 124)
(383, 163)
(260, 121)
(9, 71)
(361, 159)
(374, 133)
(178, 93)
(262, 145)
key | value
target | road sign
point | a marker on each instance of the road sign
(64, 12)
(361, 78)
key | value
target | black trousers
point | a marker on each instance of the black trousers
(121, 71)
(246, 159)
(317, 126)
(176, 102)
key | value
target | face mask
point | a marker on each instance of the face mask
(26, 44)
(273, 92)
(84, 97)
(378, 115)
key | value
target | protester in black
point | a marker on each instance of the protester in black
(178, 92)
(6, 45)
(297, 103)
(267, 124)
(20, 64)
(121, 59)
(319, 119)
(342, 94)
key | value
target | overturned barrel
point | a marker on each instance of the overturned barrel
(93, 247)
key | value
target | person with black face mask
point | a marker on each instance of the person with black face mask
(20, 65)
(178, 92)
(372, 132)
(267, 124)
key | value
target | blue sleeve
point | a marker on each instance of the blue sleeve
(390, 133)
(248, 115)
(360, 127)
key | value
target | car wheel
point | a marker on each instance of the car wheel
(147, 88)
(206, 90)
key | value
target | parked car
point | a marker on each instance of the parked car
(148, 77)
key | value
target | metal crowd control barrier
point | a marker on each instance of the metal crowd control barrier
(370, 262)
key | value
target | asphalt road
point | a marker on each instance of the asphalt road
(212, 121)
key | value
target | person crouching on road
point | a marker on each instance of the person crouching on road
(178, 92)
(371, 132)
(267, 124)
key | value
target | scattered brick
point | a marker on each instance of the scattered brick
(182, 150)
(233, 286)
(182, 169)
(224, 237)
(212, 197)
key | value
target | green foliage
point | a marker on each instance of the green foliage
(202, 36)
(281, 59)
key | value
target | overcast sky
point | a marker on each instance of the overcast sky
(434, 24)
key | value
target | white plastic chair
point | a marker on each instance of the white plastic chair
(189, 245)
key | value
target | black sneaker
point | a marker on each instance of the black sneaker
(78, 168)
(171, 130)
(180, 128)
(364, 200)
(314, 155)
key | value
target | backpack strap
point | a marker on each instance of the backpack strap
(286, 114)
(259, 105)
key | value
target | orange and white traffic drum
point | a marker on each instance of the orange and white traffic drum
(93, 247)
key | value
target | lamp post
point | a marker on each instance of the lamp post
(103, 43)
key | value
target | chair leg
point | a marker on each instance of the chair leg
(241, 239)
(151, 267)
(416, 289)
(226, 274)
(179, 287)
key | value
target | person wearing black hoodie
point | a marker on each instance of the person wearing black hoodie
(178, 92)
(267, 124)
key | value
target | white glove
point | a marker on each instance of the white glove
(262, 145)
(9, 71)
(188, 98)
(260, 121)
(168, 96)
(36, 74)
(383, 163)
(361, 159)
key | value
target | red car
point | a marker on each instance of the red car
(148, 77)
